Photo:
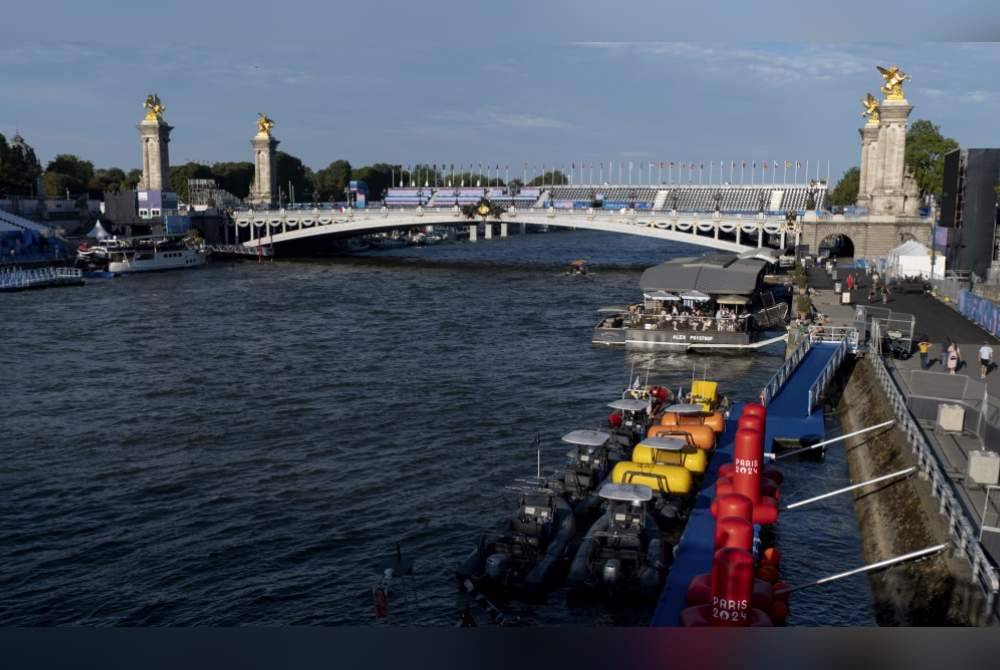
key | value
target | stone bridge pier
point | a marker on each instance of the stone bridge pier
(871, 236)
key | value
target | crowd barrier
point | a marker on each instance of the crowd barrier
(981, 311)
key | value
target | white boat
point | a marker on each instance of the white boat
(156, 259)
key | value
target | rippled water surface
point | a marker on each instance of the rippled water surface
(240, 444)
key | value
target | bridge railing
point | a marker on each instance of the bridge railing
(961, 520)
(836, 334)
(829, 370)
(777, 381)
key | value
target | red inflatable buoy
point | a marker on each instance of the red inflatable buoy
(732, 504)
(732, 588)
(754, 409)
(733, 531)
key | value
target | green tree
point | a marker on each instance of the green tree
(294, 175)
(57, 184)
(845, 193)
(110, 179)
(551, 178)
(19, 169)
(180, 174)
(332, 181)
(234, 177)
(132, 180)
(925, 150)
(68, 164)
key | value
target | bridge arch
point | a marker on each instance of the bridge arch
(837, 245)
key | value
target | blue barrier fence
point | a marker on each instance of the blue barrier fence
(981, 311)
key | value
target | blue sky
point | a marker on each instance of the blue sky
(507, 83)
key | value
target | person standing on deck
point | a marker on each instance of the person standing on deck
(924, 346)
(985, 360)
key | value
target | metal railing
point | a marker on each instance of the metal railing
(777, 381)
(829, 370)
(25, 278)
(836, 334)
(961, 521)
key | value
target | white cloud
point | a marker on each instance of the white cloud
(488, 117)
(979, 96)
(528, 121)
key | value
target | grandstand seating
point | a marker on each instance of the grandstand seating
(23, 240)
(408, 197)
(617, 194)
(738, 199)
(741, 199)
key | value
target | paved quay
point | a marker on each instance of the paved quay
(925, 390)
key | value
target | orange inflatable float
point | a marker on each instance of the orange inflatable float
(715, 420)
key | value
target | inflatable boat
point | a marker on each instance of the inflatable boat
(525, 554)
(622, 553)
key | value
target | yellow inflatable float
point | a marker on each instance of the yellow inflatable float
(663, 479)
(671, 451)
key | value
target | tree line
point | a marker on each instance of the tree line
(67, 174)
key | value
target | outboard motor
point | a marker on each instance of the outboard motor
(497, 566)
(611, 571)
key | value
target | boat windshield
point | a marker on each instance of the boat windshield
(586, 438)
(664, 444)
(633, 493)
(686, 408)
(629, 405)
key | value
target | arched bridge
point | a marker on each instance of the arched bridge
(734, 233)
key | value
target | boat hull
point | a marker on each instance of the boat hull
(185, 259)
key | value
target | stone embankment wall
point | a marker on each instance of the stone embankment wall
(899, 516)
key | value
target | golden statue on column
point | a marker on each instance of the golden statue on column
(155, 107)
(264, 124)
(870, 103)
(893, 86)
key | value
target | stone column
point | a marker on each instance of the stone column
(503, 229)
(869, 156)
(887, 188)
(265, 160)
(488, 231)
(473, 232)
(154, 133)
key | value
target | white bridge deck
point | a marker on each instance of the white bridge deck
(268, 227)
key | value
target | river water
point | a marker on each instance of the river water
(240, 444)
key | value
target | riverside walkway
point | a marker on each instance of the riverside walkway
(790, 415)
(971, 510)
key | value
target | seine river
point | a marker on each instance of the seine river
(239, 444)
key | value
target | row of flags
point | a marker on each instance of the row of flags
(631, 165)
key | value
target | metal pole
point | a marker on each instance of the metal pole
(778, 457)
(867, 568)
(852, 487)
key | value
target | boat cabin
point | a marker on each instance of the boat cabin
(626, 505)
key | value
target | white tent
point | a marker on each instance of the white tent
(99, 232)
(912, 259)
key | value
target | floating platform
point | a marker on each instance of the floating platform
(788, 416)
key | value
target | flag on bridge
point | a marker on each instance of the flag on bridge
(765, 165)
(788, 164)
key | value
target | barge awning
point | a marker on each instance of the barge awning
(715, 274)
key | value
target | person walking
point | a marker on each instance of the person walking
(871, 294)
(953, 358)
(924, 347)
(885, 294)
(985, 360)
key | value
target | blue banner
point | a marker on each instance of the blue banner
(983, 312)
